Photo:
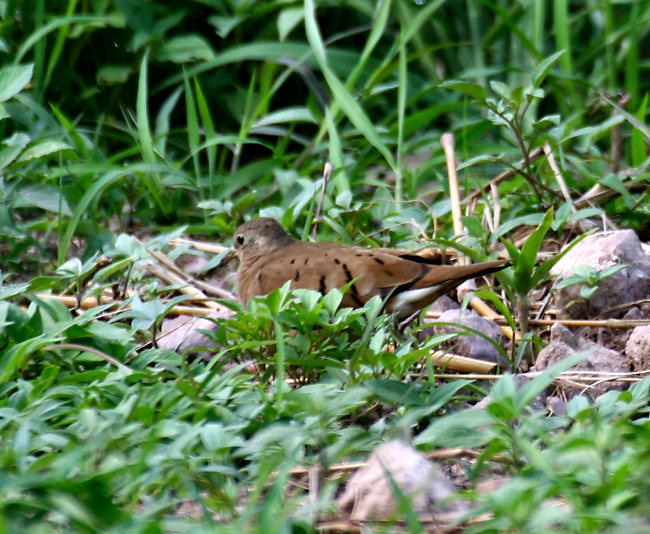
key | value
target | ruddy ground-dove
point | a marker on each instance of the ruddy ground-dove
(269, 257)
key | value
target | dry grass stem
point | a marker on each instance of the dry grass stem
(462, 364)
(93, 302)
(199, 245)
(449, 147)
(180, 277)
(567, 376)
(558, 174)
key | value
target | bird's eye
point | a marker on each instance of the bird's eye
(240, 239)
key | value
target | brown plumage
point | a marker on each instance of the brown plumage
(269, 257)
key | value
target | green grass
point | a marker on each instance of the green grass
(122, 118)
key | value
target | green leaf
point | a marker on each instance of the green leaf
(541, 71)
(587, 292)
(395, 392)
(538, 384)
(473, 225)
(225, 24)
(501, 89)
(542, 270)
(288, 19)
(44, 148)
(634, 121)
(113, 74)
(472, 89)
(470, 428)
(185, 49)
(294, 114)
(523, 271)
(344, 199)
(15, 145)
(529, 219)
(340, 92)
(499, 305)
(614, 182)
(13, 79)
(513, 251)
(590, 133)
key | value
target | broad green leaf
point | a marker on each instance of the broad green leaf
(543, 68)
(344, 199)
(592, 132)
(185, 49)
(395, 392)
(15, 144)
(288, 19)
(538, 384)
(501, 89)
(469, 428)
(472, 89)
(13, 79)
(225, 24)
(44, 148)
(533, 219)
(113, 74)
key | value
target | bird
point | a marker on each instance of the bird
(269, 257)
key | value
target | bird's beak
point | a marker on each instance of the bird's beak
(231, 254)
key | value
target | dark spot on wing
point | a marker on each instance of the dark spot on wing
(306, 261)
(410, 284)
(389, 273)
(336, 260)
(380, 261)
(422, 259)
(321, 284)
(358, 254)
(347, 272)
(293, 261)
(297, 277)
(353, 288)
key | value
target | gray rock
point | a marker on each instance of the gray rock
(637, 348)
(182, 334)
(556, 405)
(470, 345)
(369, 492)
(601, 251)
(443, 304)
(603, 360)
